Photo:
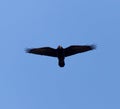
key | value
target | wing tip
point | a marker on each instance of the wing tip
(27, 50)
(93, 46)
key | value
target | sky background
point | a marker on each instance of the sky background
(88, 81)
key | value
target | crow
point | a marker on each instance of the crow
(61, 52)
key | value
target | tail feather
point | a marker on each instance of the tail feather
(61, 63)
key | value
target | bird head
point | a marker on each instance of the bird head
(60, 47)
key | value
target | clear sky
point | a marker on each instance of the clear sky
(88, 81)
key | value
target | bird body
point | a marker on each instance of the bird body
(61, 52)
(61, 56)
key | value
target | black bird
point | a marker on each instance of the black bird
(61, 52)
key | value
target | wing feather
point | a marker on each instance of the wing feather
(47, 51)
(74, 49)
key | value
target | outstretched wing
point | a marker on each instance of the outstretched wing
(47, 51)
(74, 49)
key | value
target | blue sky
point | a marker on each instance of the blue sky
(88, 81)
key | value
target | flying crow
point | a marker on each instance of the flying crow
(61, 52)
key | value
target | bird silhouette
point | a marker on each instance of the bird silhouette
(61, 52)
